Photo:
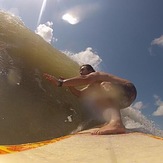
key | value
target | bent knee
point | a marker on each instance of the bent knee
(106, 84)
(106, 87)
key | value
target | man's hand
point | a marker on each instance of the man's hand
(51, 78)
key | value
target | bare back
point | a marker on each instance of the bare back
(101, 76)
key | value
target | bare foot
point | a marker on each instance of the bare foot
(110, 129)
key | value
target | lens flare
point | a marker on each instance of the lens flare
(70, 18)
(41, 11)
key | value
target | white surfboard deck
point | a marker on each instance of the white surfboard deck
(87, 148)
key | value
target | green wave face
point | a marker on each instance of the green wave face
(32, 109)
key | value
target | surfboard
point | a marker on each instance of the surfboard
(86, 148)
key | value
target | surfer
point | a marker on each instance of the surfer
(105, 91)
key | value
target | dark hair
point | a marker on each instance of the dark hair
(89, 67)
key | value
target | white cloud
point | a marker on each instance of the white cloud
(80, 12)
(159, 111)
(158, 41)
(86, 57)
(45, 31)
(138, 105)
(159, 104)
(158, 100)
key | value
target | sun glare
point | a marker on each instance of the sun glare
(70, 18)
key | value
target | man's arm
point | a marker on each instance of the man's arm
(82, 80)
(75, 91)
(76, 81)
(72, 89)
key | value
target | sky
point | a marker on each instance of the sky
(121, 37)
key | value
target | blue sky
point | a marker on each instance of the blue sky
(122, 37)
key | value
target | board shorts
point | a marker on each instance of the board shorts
(121, 95)
(118, 95)
(127, 94)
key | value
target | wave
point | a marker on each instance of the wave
(32, 109)
(134, 120)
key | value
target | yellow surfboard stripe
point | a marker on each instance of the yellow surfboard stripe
(6, 149)
(155, 137)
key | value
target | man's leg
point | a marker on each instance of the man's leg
(112, 114)
(114, 126)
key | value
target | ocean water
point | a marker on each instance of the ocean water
(134, 120)
(32, 109)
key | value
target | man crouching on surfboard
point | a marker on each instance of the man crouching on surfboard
(107, 91)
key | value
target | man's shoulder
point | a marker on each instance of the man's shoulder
(97, 73)
(100, 73)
